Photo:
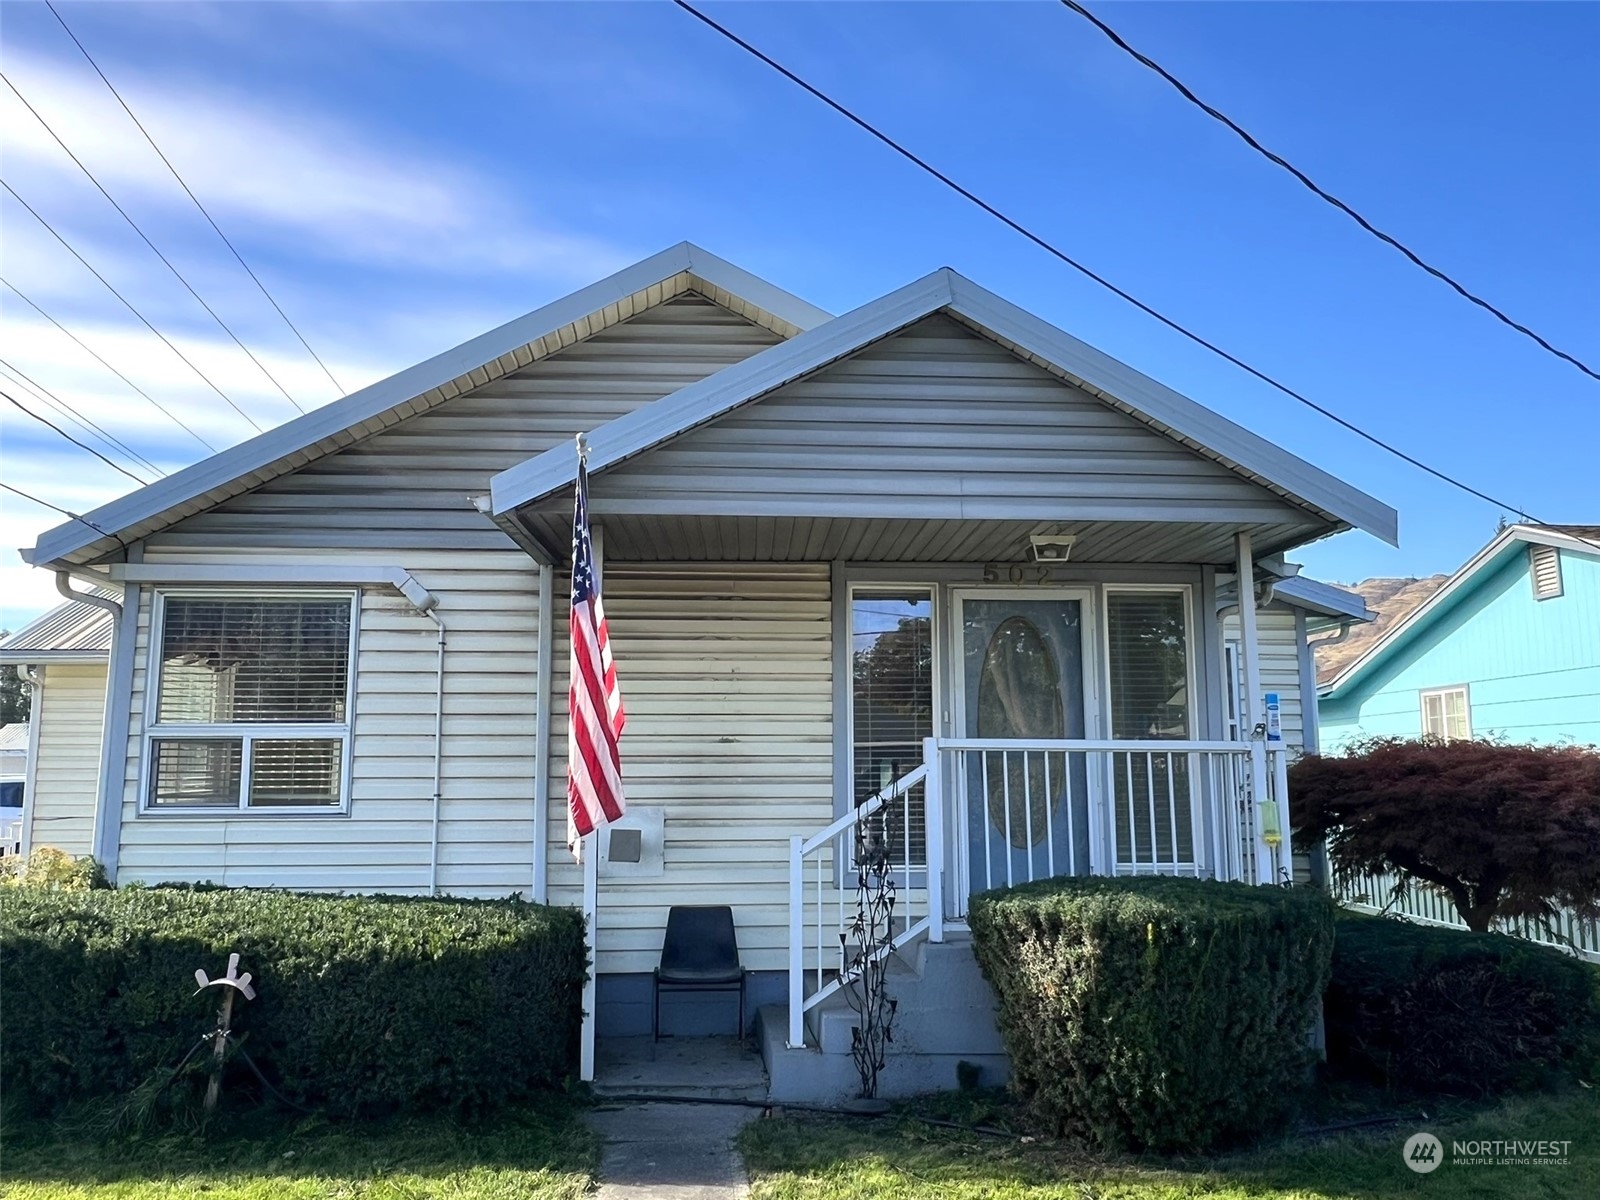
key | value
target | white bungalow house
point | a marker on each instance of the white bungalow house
(933, 555)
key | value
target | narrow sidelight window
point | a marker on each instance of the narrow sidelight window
(1147, 638)
(251, 703)
(891, 705)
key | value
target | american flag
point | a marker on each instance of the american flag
(595, 716)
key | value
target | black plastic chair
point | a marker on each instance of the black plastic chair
(700, 953)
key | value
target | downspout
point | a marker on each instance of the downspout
(64, 586)
(1344, 631)
(427, 609)
(34, 681)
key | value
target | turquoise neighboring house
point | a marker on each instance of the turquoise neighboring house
(1508, 647)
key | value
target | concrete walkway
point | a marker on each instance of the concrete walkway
(671, 1151)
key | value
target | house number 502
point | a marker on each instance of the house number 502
(1016, 573)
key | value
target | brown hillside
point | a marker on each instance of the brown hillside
(1392, 600)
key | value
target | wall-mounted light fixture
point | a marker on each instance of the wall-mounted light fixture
(1052, 547)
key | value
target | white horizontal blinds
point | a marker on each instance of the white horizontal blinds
(196, 772)
(891, 655)
(287, 772)
(1544, 565)
(1445, 714)
(254, 660)
(1148, 657)
(252, 702)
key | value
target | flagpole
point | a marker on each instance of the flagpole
(591, 916)
(589, 853)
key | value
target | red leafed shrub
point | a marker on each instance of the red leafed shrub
(1504, 830)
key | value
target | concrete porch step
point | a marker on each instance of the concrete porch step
(700, 1068)
(944, 1016)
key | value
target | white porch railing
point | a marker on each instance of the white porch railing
(1147, 807)
(822, 894)
(1049, 807)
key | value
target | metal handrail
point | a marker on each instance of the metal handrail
(866, 808)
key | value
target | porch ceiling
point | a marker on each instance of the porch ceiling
(637, 538)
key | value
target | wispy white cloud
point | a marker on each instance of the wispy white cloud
(321, 184)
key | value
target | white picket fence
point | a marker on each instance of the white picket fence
(1376, 893)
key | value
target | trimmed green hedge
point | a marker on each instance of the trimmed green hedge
(1426, 1009)
(1156, 1013)
(363, 1004)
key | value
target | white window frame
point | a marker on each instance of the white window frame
(935, 679)
(247, 732)
(1425, 694)
(1190, 665)
(1199, 849)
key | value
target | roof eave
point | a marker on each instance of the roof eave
(269, 449)
(1440, 600)
(1338, 503)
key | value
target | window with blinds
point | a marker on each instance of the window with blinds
(1446, 714)
(1544, 566)
(891, 658)
(251, 702)
(1147, 654)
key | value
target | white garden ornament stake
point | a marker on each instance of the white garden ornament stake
(230, 983)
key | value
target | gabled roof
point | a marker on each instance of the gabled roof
(516, 344)
(70, 632)
(1459, 586)
(1078, 363)
(1324, 599)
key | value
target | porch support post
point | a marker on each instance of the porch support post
(797, 955)
(541, 735)
(1250, 653)
(933, 823)
(591, 918)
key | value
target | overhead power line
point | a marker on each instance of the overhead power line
(95, 355)
(1320, 192)
(154, 249)
(203, 211)
(129, 306)
(1051, 249)
(50, 400)
(16, 491)
(80, 445)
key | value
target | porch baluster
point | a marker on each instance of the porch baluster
(1049, 820)
(1133, 823)
(988, 856)
(1005, 799)
(1172, 812)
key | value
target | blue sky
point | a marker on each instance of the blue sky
(405, 176)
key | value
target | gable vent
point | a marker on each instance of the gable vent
(1544, 564)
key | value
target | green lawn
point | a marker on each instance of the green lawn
(544, 1154)
(802, 1158)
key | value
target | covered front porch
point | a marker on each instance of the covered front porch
(938, 567)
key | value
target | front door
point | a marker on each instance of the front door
(1023, 667)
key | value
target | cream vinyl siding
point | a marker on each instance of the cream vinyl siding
(1280, 668)
(66, 779)
(1280, 672)
(727, 675)
(933, 422)
(404, 498)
